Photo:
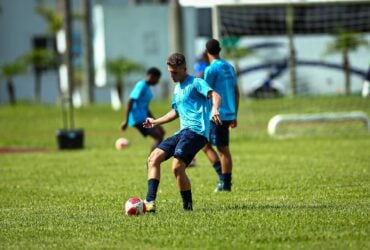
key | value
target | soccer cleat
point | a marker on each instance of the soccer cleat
(150, 206)
(188, 206)
(221, 188)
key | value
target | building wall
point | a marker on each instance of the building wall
(137, 32)
(317, 80)
(141, 33)
(18, 24)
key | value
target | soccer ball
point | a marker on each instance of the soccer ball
(135, 206)
(121, 143)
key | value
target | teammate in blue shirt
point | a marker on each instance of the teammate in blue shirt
(201, 64)
(191, 104)
(221, 77)
(137, 108)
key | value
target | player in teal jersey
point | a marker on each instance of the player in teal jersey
(221, 77)
(137, 108)
(191, 104)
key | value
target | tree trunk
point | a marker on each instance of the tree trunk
(237, 69)
(120, 89)
(89, 84)
(347, 75)
(175, 27)
(38, 86)
(11, 91)
(292, 54)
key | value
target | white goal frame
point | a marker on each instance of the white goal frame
(277, 120)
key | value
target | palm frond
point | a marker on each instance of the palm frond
(345, 41)
(17, 67)
(41, 58)
(51, 16)
(121, 66)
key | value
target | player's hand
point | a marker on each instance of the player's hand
(149, 123)
(216, 117)
(234, 124)
(123, 125)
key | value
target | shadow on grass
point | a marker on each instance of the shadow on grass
(247, 207)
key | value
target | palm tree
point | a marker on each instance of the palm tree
(344, 43)
(41, 59)
(231, 51)
(52, 18)
(119, 68)
(9, 71)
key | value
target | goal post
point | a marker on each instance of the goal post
(302, 32)
(277, 120)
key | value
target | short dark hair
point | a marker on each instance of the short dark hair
(154, 72)
(213, 47)
(176, 60)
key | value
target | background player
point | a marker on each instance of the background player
(221, 77)
(137, 108)
(191, 103)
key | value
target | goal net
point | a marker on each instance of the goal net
(300, 57)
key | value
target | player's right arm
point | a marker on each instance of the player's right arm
(123, 125)
(151, 122)
(216, 101)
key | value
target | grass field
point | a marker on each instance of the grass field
(309, 189)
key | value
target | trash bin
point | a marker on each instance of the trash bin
(70, 138)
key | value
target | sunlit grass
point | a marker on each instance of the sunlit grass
(307, 191)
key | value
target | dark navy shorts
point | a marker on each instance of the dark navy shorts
(144, 131)
(184, 145)
(219, 134)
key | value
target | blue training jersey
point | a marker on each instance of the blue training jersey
(190, 100)
(141, 96)
(221, 77)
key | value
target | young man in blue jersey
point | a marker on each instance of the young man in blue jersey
(191, 104)
(221, 77)
(137, 108)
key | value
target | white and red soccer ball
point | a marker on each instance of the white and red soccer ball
(135, 206)
(121, 143)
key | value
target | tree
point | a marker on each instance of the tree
(231, 51)
(8, 72)
(345, 42)
(41, 59)
(119, 68)
(52, 18)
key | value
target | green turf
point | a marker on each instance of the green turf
(308, 190)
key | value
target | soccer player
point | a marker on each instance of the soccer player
(221, 77)
(137, 108)
(201, 64)
(191, 104)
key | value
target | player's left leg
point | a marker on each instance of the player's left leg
(227, 167)
(187, 147)
(222, 138)
(183, 183)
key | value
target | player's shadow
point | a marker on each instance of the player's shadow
(261, 207)
(275, 206)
